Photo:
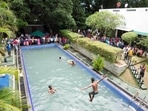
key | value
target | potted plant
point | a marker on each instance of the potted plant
(98, 63)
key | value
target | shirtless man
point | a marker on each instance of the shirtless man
(71, 62)
(94, 86)
(51, 90)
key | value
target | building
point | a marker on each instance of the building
(136, 19)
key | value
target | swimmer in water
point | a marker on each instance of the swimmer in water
(71, 62)
(60, 58)
(51, 90)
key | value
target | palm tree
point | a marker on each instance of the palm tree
(10, 70)
(9, 100)
(7, 20)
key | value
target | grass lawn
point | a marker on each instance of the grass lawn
(128, 77)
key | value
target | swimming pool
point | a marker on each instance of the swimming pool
(43, 68)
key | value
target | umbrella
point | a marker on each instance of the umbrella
(38, 33)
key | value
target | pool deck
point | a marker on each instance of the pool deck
(130, 89)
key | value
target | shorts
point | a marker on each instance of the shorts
(93, 93)
(142, 74)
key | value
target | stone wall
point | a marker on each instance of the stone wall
(115, 68)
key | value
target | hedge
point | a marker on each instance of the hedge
(110, 53)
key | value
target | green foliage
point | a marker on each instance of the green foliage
(78, 14)
(20, 23)
(7, 20)
(9, 100)
(55, 14)
(98, 63)
(110, 53)
(66, 46)
(10, 70)
(129, 37)
(104, 21)
(62, 19)
(136, 3)
(143, 42)
(70, 35)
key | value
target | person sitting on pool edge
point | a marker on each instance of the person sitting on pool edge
(51, 90)
(94, 86)
(71, 62)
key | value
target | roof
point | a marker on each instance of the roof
(124, 29)
(141, 33)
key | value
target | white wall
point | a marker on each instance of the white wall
(135, 18)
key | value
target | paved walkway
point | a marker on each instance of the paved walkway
(10, 61)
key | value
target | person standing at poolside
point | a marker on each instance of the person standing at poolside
(94, 86)
(8, 48)
(142, 70)
(51, 90)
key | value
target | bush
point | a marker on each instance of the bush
(98, 63)
(129, 37)
(66, 46)
(109, 53)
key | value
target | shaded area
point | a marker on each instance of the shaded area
(37, 33)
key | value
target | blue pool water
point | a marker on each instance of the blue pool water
(43, 68)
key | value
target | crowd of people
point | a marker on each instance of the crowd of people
(113, 41)
(26, 39)
(128, 51)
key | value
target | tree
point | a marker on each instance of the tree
(143, 42)
(92, 6)
(53, 14)
(9, 100)
(135, 3)
(78, 14)
(109, 4)
(61, 14)
(10, 70)
(104, 21)
(129, 37)
(7, 20)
